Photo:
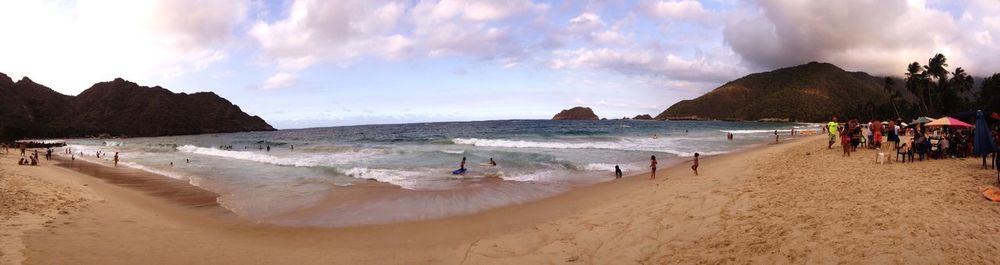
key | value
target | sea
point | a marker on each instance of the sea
(376, 174)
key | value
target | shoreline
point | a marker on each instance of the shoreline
(780, 203)
(143, 217)
(188, 194)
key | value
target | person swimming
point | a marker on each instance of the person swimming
(493, 163)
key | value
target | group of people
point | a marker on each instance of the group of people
(922, 140)
(32, 159)
(653, 163)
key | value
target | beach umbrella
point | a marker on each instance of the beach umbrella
(948, 121)
(921, 120)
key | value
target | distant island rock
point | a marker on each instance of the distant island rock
(808, 92)
(576, 113)
(643, 117)
(115, 108)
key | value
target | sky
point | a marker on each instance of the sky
(315, 63)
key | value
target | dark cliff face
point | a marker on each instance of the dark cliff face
(809, 92)
(118, 108)
(576, 113)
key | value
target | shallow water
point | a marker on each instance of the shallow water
(302, 186)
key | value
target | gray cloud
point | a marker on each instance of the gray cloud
(875, 36)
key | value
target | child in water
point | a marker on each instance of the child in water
(618, 172)
(695, 166)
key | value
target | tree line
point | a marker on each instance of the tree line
(937, 91)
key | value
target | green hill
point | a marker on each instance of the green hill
(809, 92)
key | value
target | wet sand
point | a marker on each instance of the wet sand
(794, 202)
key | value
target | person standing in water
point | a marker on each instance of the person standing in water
(116, 159)
(493, 163)
(618, 172)
(462, 165)
(652, 167)
(695, 166)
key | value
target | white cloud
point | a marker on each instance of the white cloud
(279, 80)
(647, 62)
(674, 9)
(317, 31)
(71, 45)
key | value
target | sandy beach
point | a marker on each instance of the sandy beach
(794, 202)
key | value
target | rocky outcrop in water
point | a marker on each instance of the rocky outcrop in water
(643, 117)
(576, 113)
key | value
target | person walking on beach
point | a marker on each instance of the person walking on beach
(695, 166)
(845, 141)
(116, 159)
(652, 167)
(618, 172)
(831, 128)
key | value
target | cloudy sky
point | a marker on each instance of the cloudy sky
(308, 63)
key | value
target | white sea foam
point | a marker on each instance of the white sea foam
(665, 145)
(454, 152)
(755, 131)
(404, 179)
(113, 143)
(307, 160)
(173, 175)
(611, 167)
(535, 176)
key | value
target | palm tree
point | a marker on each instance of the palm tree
(961, 81)
(936, 68)
(916, 84)
(989, 92)
(892, 94)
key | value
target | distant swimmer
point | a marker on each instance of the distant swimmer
(729, 136)
(171, 164)
(493, 163)
(187, 160)
(652, 167)
(292, 147)
(269, 148)
(618, 172)
(462, 165)
(116, 159)
(655, 136)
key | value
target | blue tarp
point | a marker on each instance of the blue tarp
(983, 143)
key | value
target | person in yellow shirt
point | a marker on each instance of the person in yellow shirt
(832, 129)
